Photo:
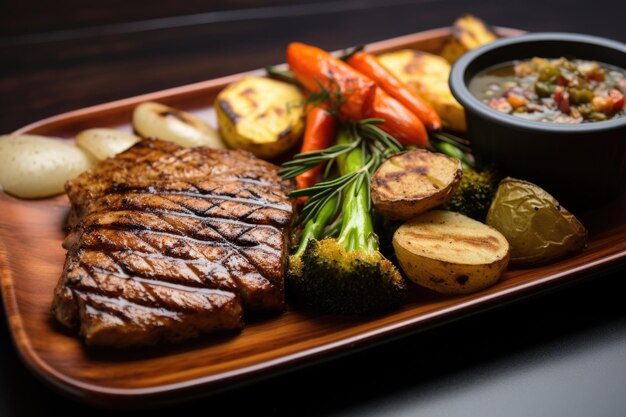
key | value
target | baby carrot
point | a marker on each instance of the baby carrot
(370, 66)
(319, 134)
(355, 95)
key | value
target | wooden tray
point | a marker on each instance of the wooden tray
(31, 260)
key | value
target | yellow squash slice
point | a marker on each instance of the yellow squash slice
(261, 115)
(427, 74)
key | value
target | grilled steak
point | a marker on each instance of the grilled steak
(166, 243)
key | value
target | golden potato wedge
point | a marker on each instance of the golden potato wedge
(412, 182)
(105, 143)
(427, 74)
(468, 32)
(167, 123)
(537, 227)
(36, 166)
(450, 253)
(261, 115)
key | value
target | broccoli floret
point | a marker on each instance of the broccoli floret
(475, 192)
(346, 274)
(330, 279)
(478, 184)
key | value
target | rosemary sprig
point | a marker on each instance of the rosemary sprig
(379, 143)
(461, 143)
(376, 146)
(303, 162)
(454, 146)
(330, 98)
(323, 192)
(273, 71)
(347, 53)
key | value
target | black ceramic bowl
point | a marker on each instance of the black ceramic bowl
(582, 165)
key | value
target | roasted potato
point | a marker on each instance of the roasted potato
(105, 143)
(537, 227)
(412, 182)
(167, 123)
(427, 74)
(261, 115)
(468, 32)
(450, 253)
(36, 166)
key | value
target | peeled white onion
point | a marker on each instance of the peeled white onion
(105, 143)
(167, 123)
(36, 166)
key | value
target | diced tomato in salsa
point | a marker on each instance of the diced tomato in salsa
(554, 90)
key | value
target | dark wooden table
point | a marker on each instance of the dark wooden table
(563, 353)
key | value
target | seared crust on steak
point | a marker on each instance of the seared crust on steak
(166, 243)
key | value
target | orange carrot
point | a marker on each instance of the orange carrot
(318, 135)
(356, 96)
(370, 66)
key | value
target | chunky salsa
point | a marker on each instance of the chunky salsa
(553, 90)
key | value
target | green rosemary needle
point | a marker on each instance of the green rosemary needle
(376, 146)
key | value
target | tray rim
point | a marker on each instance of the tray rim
(378, 46)
(97, 394)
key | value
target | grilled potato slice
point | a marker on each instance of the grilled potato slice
(36, 166)
(105, 143)
(412, 182)
(538, 228)
(261, 115)
(159, 121)
(450, 253)
(427, 74)
(468, 32)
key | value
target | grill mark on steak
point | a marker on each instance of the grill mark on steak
(177, 229)
(179, 272)
(152, 281)
(131, 221)
(256, 202)
(169, 222)
(120, 279)
(106, 316)
(150, 296)
(196, 206)
(166, 243)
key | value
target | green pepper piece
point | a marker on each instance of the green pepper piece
(544, 89)
(578, 96)
(597, 116)
(548, 74)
